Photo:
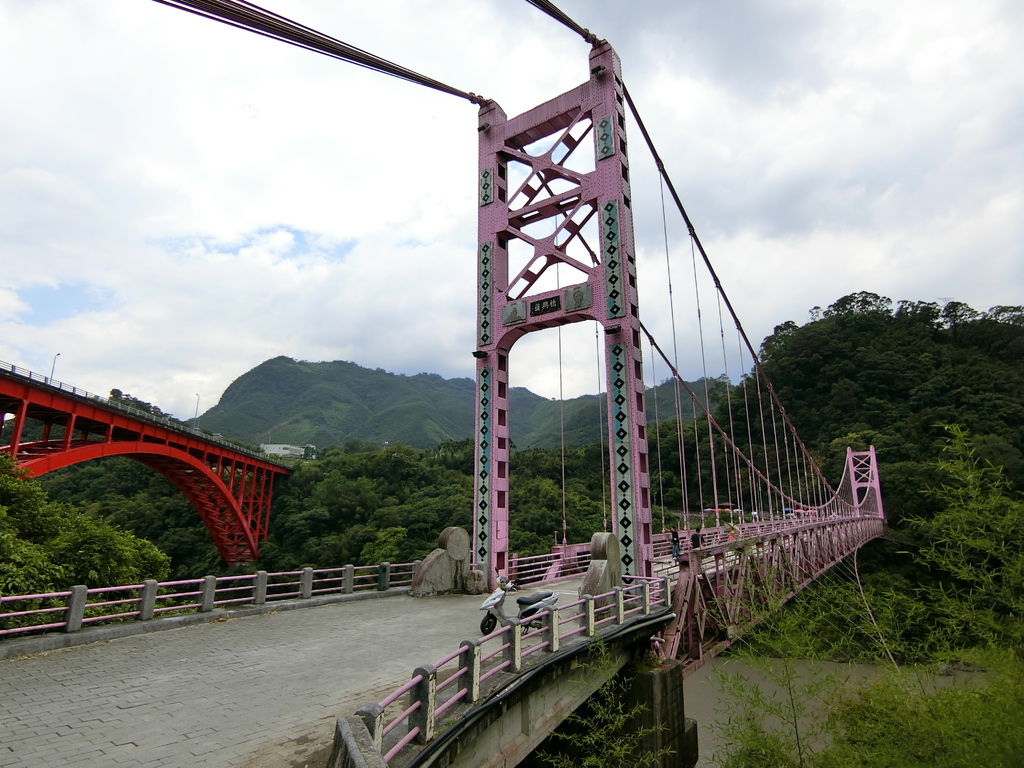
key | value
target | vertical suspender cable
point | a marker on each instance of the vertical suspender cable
(704, 380)
(736, 502)
(657, 434)
(680, 437)
(755, 495)
(707, 262)
(561, 417)
(600, 428)
(764, 441)
(789, 465)
(778, 458)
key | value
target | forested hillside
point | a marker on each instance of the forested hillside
(331, 403)
(868, 372)
(944, 590)
(863, 372)
(945, 585)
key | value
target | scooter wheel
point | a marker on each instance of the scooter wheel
(490, 621)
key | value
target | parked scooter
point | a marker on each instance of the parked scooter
(530, 606)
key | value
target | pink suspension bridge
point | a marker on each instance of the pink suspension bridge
(556, 246)
(758, 520)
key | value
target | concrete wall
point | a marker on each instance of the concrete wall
(353, 747)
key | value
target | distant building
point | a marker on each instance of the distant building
(282, 449)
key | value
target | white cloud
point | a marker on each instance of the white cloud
(230, 198)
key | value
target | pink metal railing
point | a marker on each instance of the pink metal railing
(394, 724)
(564, 561)
(23, 614)
(178, 596)
(33, 613)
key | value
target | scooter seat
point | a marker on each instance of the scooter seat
(531, 599)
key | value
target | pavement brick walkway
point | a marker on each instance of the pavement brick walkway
(251, 692)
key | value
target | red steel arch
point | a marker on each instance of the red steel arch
(229, 487)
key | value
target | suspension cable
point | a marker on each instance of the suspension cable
(253, 18)
(560, 16)
(712, 421)
(714, 276)
(554, 12)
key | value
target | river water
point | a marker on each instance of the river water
(708, 704)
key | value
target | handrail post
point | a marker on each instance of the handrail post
(306, 583)
(620, 605)
(554, 630)
(383, 576)
(469, 660)
(425, 692)
(76, 608)
(646, 590)
(588, 606)
(348, 582)
(147, 599)
(259, 591)
(373, 716)
(209, 594)
(666, 590)
(514, 652)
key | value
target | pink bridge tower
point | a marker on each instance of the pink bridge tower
(554, 190)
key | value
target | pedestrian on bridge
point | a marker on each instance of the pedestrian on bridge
(675, 543)
(695, 538)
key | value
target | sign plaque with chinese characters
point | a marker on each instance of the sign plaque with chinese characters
(544, 306)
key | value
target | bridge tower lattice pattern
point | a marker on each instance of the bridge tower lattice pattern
(554, 193)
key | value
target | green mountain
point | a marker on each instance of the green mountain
(328, 403)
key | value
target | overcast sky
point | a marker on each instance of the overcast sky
(180, 200)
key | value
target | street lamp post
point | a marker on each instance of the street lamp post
(53, 365)
(195, 421)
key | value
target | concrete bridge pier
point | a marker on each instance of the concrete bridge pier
(661, 718)
(661, 691)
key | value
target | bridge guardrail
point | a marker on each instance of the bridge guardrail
(82, 606)
(566, 560)
(471, 672)
(197, 595)
(137, 413)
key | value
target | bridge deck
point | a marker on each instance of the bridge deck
(257, 691)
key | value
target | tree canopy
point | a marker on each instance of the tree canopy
(47, 546)
(863, 371)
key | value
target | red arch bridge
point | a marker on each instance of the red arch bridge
(48, 425)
